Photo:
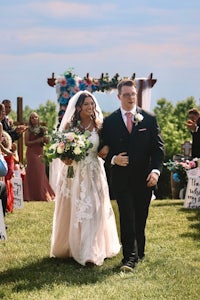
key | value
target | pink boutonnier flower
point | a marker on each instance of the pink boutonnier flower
(137, 118)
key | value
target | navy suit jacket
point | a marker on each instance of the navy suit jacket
(144, 145)
(196, 141)
(10, 130)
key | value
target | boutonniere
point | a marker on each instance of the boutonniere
(137, 118)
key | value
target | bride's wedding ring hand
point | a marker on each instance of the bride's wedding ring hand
(121, 159)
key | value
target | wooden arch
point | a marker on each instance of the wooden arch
(105, 83)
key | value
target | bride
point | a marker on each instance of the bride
(84, 224)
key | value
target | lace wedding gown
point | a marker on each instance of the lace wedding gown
(84, 224)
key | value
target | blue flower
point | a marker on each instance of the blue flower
(71, 81)
(63, 101)
(82, 86)
(176, 177)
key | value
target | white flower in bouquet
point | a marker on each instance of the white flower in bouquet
(61, 148)
(77, 150)
(71, 144)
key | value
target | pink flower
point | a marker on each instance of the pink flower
(60, 148)
(66, 95)
(70, 136)
(63, 82)
(192, 164)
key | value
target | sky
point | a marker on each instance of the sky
(38, 38)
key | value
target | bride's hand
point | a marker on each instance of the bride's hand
(67, 161)
(103, 152)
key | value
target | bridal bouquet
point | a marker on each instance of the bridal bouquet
(70, 144)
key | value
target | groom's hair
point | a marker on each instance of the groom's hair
(125, 82)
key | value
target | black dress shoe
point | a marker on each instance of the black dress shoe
(140, 258)
(128, 266)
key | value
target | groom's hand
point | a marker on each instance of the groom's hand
(152, 179)
(121, 159)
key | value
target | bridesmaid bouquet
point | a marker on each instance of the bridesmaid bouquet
(70, 144)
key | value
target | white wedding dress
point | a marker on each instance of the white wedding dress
(84, 224)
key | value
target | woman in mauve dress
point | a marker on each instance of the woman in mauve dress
(36, 184)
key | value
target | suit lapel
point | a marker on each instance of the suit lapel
(120, 120)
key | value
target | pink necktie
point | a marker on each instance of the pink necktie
(129, 122)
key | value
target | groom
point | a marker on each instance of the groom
(135, 158)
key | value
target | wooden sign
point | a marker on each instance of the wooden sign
(3, 236)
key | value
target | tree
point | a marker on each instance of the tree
(172, 121)
(48, 114)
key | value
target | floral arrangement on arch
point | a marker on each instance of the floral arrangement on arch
(180, 168)
(68, 84)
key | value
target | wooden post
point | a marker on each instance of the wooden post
(20, 121)
(141, 87)
(139, 93)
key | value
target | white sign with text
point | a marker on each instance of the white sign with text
(18, 192)
(192, 197)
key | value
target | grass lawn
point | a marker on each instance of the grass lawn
(171, 269)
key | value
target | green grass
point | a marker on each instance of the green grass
(171, 269)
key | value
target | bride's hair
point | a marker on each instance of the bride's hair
(71, 115)
(78, 105)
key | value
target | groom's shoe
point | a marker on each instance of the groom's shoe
(141, 258)
(128, 266)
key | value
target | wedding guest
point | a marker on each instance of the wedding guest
(4, 150)
(36, 184)
(3, 196)
(7, 123)
(136, 158)
(193, 124)
(84, 226)
(9, 156)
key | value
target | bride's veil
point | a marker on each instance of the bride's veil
(56, 166)
(71, 109)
